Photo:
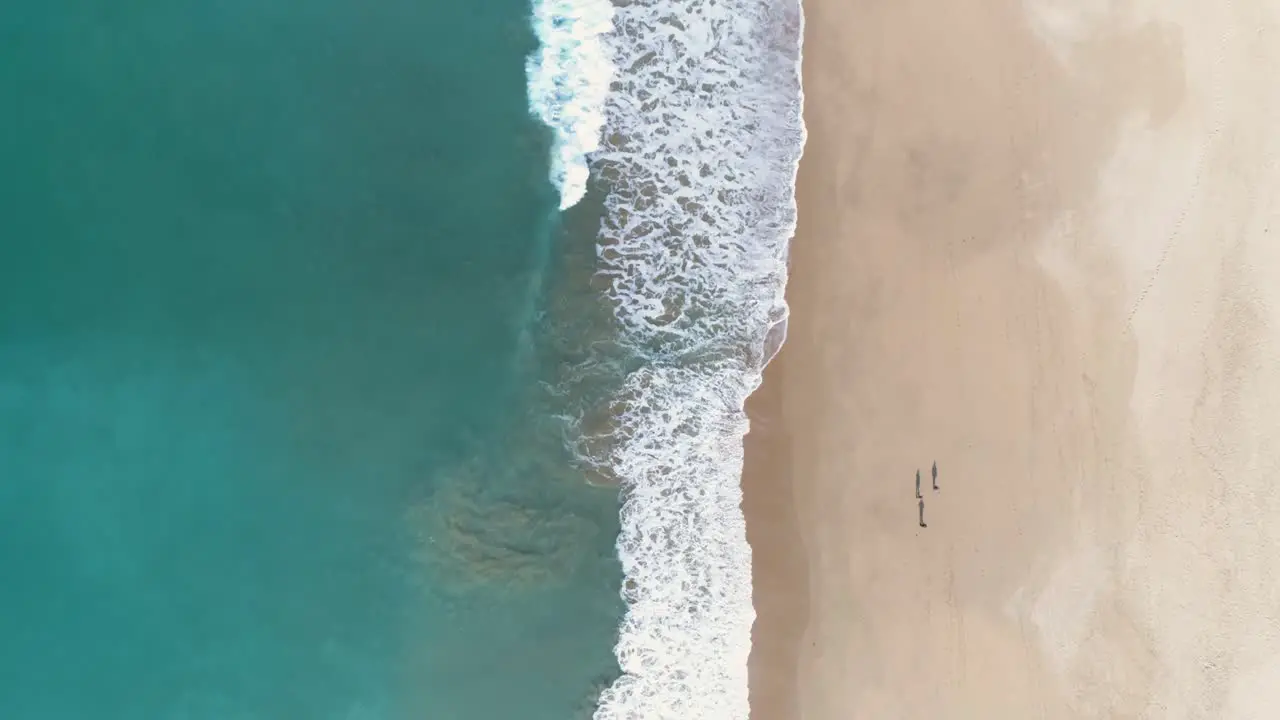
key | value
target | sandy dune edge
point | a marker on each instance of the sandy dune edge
(1037, 245)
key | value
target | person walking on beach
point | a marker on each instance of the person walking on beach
(918, 495)
(935, 476)
(922, 523)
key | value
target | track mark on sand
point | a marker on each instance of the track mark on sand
(1216, 105)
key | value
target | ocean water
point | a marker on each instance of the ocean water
(385, 360)
(284, 300)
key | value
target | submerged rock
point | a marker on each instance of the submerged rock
(473, 536)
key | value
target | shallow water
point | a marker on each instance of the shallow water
(273, 440)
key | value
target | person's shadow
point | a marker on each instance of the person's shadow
(922, 522)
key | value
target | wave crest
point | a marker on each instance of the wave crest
(568, 77)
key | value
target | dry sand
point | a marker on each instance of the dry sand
(1039, 243)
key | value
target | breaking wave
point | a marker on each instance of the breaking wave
(568, 78)
(698, 162)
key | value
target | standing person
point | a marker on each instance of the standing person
(918, 495)
(935, 476)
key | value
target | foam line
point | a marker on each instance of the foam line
(699, 157)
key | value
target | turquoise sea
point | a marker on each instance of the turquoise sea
(282, 289)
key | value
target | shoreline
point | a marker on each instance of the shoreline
(1022, 231)
(780, 572)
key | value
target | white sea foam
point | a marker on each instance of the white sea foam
(568, 78)
(703, 137)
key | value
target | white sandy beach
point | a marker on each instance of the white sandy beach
(1039, 244)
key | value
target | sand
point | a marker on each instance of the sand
(1039, 244)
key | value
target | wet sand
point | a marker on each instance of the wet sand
(1039, 245)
